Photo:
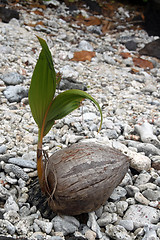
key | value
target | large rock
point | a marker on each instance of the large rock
(82, 177)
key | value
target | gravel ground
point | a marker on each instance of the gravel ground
(127, 88)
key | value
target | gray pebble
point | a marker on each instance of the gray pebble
(65, 224)
(6, 227)
(141, 199)
(93, 225)
(127, 224)
(117, 232)
(44, 225)
(107, 218)
(141, 215)
(3, 149)
(10, 204)
(15, 93)
(17, 171)
(12, 78)
(142, 178)
(110, 207)
(118, 193)
(12, 216)
(131, 190)
(152, 195)
(84, 45)
(108, 59)
(121, 207)
(23, 162)
(11, 180)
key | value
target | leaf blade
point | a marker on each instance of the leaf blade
(66, 102)
(43, 85)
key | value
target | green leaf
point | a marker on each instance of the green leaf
(43, 84)
(65, 103)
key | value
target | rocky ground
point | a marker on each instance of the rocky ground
(127, 87)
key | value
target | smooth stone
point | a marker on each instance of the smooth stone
(12, 216)
(84, 45)
(65, 224)
(110, 207)
(23, 162)
(90, 235)
(141, 199)
(68, 72)
(16, 170)
(45, 226)
(131, 190)
(139, 162)
(6, 227)
(12, 78)
(148, 185)
(131, 45)
(152, 195)
(148, 149)
(150, 232)
(117, 232)
(11, 180)
(68, 84)
(10, 204)
(146, 132)
(118, 193)
(108, 59)
(107, 218)
(3, 149)
(141, 215)
(127, 224)
(142, 178)
(121, 207)
(15, 93)
(93, 225)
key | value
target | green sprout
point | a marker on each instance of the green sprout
(46, 108)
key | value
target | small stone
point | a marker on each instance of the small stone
(23, 162)
(12, 78)
(84, 45)
(11, 180)
(131, 45)
(127, 224)
(68, 72)
(121, 207)
(141, 199)
(17, 171)
(150, 232)
(117, 232)
(3, 149)
(152, 195)
(45, 226)
(131, 190)
(12, 216)
(142, 178)
(65, 224)
(90, 235)
(2, 139)
(10, 204)
(140, 162)
(107, 218)
(110, 207)
(108, 59)
(6, 227)
(92, 223)
(15, 93)
(141, 215)
(118, 193)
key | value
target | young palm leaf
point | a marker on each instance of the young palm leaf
(44, 106)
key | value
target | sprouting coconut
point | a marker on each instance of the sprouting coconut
(79, 178)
